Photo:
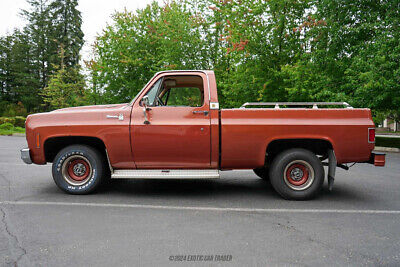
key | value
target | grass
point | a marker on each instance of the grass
(387, 142)
(9, 129)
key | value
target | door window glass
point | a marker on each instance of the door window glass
(153, 92)
(183, 96)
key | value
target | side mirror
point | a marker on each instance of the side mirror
(145, 101)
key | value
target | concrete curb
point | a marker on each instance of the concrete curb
(387, 136)
(387, 149)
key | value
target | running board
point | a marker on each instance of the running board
(165, 174)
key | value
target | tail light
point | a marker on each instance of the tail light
(371, 135)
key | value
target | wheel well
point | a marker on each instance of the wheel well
(317, 146)
(53, 145)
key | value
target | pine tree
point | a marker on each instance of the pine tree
(66, 29)
(5, 75)
(38, 30)
(66, 86)
(52, 25)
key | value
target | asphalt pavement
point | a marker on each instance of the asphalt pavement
(237, 220)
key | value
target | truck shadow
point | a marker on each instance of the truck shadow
(188, 189)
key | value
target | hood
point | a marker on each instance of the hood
(75, 115)
(95, 107)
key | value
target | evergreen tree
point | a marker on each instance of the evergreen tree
(5, 72)
(66, 30)
(38, 30)
(66, 86)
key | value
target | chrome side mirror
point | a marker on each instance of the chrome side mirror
(146, 103)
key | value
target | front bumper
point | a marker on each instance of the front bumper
(378, 159)
(26, 156)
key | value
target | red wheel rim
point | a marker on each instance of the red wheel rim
(78, 169)
(297, 174)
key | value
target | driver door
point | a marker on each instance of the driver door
(177, 134)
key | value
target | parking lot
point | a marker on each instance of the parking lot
(155, 222)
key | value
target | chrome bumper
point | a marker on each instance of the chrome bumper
(26, 156)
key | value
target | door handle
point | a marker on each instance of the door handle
(205, 112)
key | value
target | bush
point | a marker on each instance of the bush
(387, 142)
(19, 130)
(6, 126)
(9, 129)
(19, 121)
(11, 109)
(9, 120)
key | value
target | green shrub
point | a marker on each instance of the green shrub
(6, 126)
(387, 142)
(9, 129)
(19, 130)
(12, 109)
(9, 120)
(19, 121)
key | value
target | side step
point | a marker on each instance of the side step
(165, 174)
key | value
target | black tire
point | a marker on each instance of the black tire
(262, 172)
(71, 162)
(297, 174)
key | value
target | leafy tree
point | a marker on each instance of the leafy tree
(143, 42)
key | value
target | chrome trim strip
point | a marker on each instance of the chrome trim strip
(166, 174)
(313, 104)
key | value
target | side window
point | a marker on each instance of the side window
(152, 93)
(183, 96)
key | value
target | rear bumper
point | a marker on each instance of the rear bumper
(26, 156)
(378, 159)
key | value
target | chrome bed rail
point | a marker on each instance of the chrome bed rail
(314, 105)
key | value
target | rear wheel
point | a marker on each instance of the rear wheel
(79, 169)
(262, 172)
(297, 174)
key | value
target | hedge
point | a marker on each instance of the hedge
(387, 142)
(17, 121)
(8, 129)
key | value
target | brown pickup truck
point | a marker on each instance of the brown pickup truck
(174, 128)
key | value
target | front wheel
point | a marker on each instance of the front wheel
(79, 169)
(297, 174)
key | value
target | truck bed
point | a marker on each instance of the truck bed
(246, 133)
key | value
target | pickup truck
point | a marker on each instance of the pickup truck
(174, 129)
